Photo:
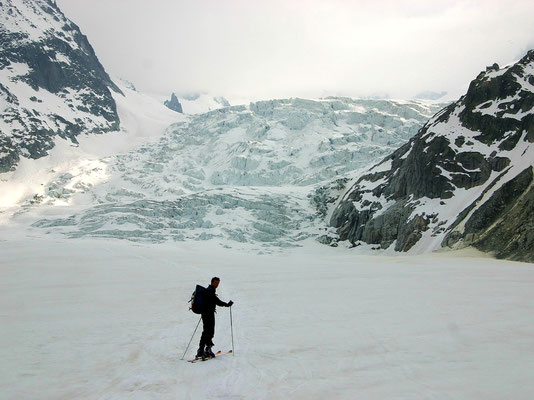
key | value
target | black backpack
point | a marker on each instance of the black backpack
(197, 300)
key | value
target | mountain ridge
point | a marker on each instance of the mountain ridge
(431, 186)
(52, 84)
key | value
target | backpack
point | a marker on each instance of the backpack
(197, 300)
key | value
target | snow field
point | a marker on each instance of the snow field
(101, 319)
(143, 121)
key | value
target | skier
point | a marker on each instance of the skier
(210, 300)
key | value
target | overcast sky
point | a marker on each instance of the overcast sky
(307, 48)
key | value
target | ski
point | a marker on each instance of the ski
(217, 355)
(204, 359)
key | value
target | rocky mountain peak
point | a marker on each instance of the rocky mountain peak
(51, 84)
(174, 104)
(428, 192)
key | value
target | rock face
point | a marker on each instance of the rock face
(51, 82)
(174, 104)
(465, 179)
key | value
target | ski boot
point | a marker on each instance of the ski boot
(208, 353)
(200, 353)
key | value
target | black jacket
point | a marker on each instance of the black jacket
(211, 300)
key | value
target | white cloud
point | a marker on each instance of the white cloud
(303, 48)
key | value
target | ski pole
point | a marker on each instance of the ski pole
(232, 330)
(187, 348)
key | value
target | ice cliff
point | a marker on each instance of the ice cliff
(254, 173)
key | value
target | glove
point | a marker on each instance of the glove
(230, 303)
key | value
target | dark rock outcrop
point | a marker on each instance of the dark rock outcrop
(464, 179)
(174, 104)
(53, 84)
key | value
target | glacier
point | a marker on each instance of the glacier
(263, 173)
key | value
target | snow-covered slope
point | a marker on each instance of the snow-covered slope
(199, 103)
(465, 179)
(196, 102)
(51, 82)
(143, 120)
(244, 174)
(99, 319)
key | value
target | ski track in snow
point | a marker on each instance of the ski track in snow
(100, 319)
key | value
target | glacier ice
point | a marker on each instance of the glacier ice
(258, 173)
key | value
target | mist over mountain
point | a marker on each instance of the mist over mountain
(429, 95)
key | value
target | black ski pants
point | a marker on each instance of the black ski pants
(208, 329)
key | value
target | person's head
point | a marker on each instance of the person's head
(215, 281)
